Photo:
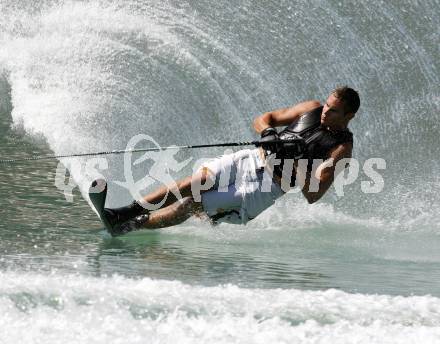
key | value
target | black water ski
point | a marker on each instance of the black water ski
(117, 220)
(98, 194)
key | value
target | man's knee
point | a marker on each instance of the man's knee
(201, 181)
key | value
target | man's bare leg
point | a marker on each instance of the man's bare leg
(173, 214)
(175, 209)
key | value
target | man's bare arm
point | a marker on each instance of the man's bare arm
(285, 116)
(325, 173)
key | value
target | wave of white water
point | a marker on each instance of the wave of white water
(37, 308)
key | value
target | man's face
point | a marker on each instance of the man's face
(333, 113)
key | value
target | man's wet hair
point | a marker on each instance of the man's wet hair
(349, 96)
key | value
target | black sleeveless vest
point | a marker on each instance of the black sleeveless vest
(319, 140)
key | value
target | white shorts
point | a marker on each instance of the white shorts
(242, 187)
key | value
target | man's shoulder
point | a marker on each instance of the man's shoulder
(308, 106)
(343, 150)
(346, 137)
